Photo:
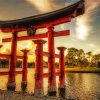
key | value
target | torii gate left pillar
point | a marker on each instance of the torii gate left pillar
(11, 85)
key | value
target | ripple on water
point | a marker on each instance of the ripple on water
(83, 86)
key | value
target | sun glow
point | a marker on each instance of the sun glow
(82, 29)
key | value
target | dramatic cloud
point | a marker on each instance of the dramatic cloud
(44, 5)
(84, 22)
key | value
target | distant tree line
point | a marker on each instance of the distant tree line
(78, 58)
(4, 63)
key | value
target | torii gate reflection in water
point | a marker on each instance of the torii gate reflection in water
(48, 20)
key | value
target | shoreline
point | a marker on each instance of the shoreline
(82, 70)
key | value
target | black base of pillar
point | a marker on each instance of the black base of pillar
(11, 87)
(24, 86)
(52, 93)
(62, 92)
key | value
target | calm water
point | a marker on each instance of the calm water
(85, 86)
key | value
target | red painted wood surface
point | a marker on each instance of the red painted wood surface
(46, 75)
(6, 30)
(54, 22)
(25, 65)
(51, 61)
(39, 65)
(5, 56)
(8, 56)
(38, 36)
(47, 55)
(6, 73)
(11, 77)
(42, 25)
(62, 67)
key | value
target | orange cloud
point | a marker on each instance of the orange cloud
(44, 5)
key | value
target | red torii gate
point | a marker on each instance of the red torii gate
(48, 20)
(44, 54)
(50, 43)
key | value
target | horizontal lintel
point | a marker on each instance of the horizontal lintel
(38, 36)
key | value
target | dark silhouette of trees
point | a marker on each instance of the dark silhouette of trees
(31, 65)
(78, 58)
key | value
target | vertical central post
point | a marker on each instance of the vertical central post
(24, 73)
(51, 63)
(11, 78)
(38, 91)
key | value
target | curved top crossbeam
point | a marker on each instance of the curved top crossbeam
(42, 20)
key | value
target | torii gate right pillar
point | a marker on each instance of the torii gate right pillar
(62, 85)
(51, 63)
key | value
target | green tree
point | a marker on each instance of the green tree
(70, 57)
(89, 57)
(80, 57)
(95, 59)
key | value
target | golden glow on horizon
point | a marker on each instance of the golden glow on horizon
(25, 45)
(31, 58)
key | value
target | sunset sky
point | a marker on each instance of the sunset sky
(85, 29)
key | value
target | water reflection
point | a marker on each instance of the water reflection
(85, 86)
(79, 85)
